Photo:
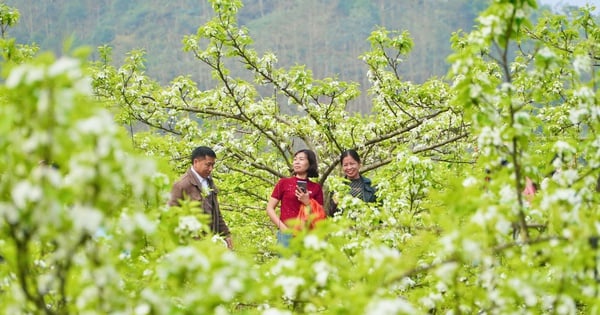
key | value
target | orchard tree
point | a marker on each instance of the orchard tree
(85, 228)
(83, 225)
(258, 114)
(535, 118)
(9, 49)
(527, 94)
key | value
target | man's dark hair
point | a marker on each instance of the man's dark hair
(202, 152)
(313, 168)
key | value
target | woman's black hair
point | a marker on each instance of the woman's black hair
(352, 153)
(313, 168)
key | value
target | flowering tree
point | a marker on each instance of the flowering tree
(258, 115)
(85, 229)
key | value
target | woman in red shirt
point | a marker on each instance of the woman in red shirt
(291, 197)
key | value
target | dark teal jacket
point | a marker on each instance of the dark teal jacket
(368, 190)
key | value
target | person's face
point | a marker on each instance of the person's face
(204, 165)
(301, 163)
(350, 167)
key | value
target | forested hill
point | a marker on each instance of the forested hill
(326, 35)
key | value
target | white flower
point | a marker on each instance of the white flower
(147, 272)
(548, 302)
(479, 218)
(225, 284)
(64, 64)
(487, 23)
(40, 263)
(9, 212)
(442, 287)
(446, 271)
(312, 242)
(566, 305)
(189, 223)
(100, 124)
(138, 221)
(427, 302)
(87, 295)
(525, 291)
(507, 194)
(24, 192)
(290, 285)
(143, 223)
(489, 136)
(15, 76)
(322, 273)
(86, 218)
(217, 239)
(503, 226)
(576, 115)
(582, 63)
(381, 253)
(34, 75)
(475, 90)
(546, 53)
(185, 257)
(589, 290)
(469, 181)
(472, 248)
(406, 283)
(584, 93)
(206, 191)
(562, 146)
(506, 87)
(43, 102)
(142, 309)
(283, 265)
(448, 241)
(35, 141)
(389, 307)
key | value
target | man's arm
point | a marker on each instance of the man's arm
(224, 230)
(176, 195)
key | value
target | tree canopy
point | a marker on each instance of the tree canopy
(91, 150)
(326, 36)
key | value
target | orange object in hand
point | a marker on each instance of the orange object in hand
(313, 214)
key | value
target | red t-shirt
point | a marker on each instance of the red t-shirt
(285, 192)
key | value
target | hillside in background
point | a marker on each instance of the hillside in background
(328, 36)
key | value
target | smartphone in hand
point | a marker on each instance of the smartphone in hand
(302, 185)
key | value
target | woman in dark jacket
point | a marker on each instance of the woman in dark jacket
(360, 186)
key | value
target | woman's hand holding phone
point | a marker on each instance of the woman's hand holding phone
(301, 184)
(302, 192)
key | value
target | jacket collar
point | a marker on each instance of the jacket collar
(362, 178)
(194, 180)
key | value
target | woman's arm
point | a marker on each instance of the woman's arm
(271, 205)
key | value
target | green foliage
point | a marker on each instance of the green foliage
(67, 173)
(9, 49)
(85, 228)
(324, 35)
